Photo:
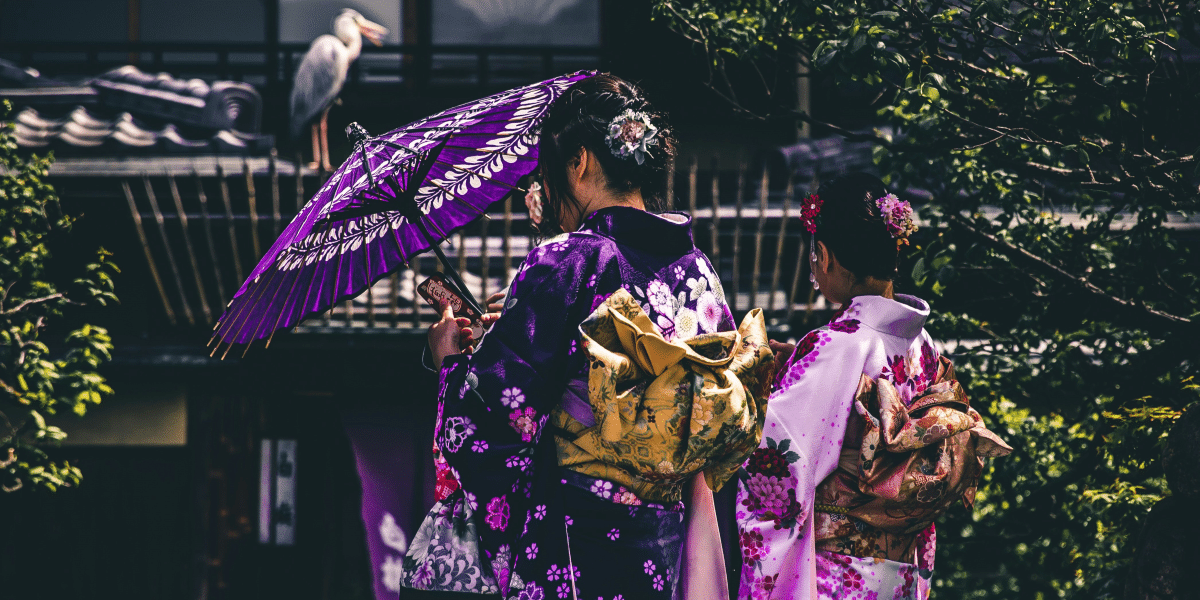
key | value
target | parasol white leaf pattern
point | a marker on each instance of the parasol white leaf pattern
(325, 255)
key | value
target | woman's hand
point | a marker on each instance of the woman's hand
(495, 304)
(449, 336)
(783, 351)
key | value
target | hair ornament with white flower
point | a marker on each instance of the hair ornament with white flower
(631, 134)
(898, 216)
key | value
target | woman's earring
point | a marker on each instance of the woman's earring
(812, 257)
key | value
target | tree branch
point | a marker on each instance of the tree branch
(1138, 310)
(22, 305)
(846, 133)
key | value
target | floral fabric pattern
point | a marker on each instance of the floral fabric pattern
(444, 553)
(807, 417)
(662, 411)
(852, 578)
(902, 467)
(516, 377)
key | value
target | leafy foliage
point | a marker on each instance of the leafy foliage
(1053, 146)
(36, 380)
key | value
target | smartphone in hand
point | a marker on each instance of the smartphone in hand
(438, 289)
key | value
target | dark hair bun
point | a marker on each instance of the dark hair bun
(580, 119)
(851, 227)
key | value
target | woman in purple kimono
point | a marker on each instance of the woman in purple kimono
(509, 520)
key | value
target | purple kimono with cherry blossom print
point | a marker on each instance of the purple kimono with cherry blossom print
(543, 532)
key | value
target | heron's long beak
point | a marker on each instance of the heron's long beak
(374, 32)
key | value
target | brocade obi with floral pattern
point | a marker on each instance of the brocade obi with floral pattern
(661, 411)
(901, 467)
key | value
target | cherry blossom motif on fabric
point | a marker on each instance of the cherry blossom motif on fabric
(807, 418)
(850, 578)
(808, 349)
(495, 403)
(913, 372)
(806, 353)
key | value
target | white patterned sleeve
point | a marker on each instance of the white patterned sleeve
(802, 442)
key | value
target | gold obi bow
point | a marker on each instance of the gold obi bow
(665, 410)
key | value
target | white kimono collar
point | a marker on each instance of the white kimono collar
(903, 317)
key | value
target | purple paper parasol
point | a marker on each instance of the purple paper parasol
(359, 227)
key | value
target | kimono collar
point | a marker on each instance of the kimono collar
(903, 317)
(669, 233)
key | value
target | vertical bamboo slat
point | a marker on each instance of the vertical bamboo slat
(737, 234)
(187, 242)
(507, 243)
(670, 199)
(483, 259)
(808, 310)
(714, 225)
(461, 251)
(692, 176)
(394, 299)
(141, 232)
(763, 192)
(208, 236)
(783, 223)
(371, 306)
(791, 307)
(162, 231)
(253, 210)
(299, 184)
(276, 216)
(237, 258)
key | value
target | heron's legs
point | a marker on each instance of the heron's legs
(325, 141)
(316, 147)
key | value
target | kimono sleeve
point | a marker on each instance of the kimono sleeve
(495, 403)
(802, 442)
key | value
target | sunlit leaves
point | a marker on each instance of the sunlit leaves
(1065, 130)
(42, 376)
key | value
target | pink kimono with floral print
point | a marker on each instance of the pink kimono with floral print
(802, 442)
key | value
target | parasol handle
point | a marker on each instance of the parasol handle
(453, 274)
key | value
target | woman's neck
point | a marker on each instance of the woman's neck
(873, 287)
(632, 200)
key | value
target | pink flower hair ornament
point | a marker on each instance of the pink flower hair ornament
(533, 201)
(898, 216)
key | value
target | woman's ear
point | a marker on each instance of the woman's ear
(824, 258)
(577, 167)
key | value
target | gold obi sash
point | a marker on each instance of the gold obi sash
(664, 411)
(902, 467)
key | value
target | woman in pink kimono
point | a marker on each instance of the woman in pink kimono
(840, 497)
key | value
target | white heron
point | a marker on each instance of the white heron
(322, 74)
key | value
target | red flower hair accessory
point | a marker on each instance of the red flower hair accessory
(810, 212)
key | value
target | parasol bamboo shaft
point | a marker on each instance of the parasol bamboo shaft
(450, 270)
